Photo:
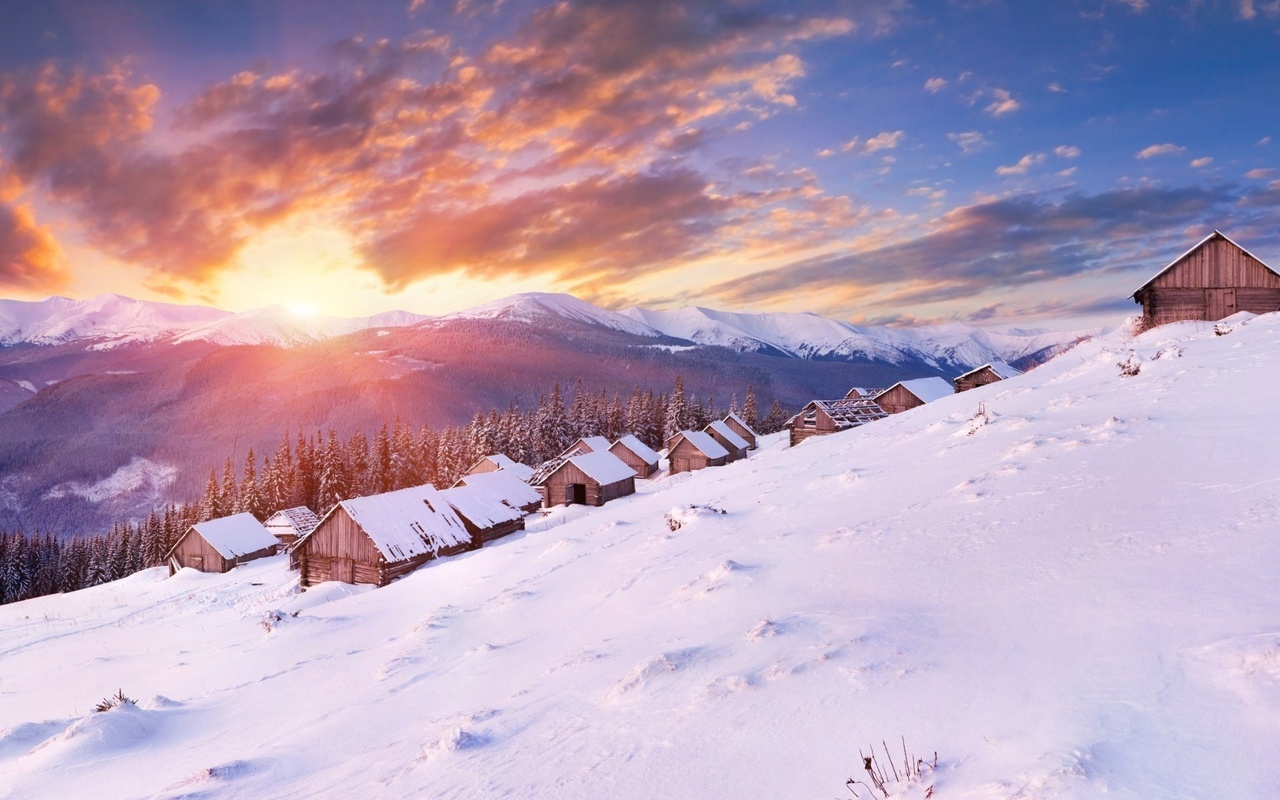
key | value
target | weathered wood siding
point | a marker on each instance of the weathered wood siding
(481, 535)
(735, 453)
(975, 379)
(339, 550)
(483, 466)
(643, 468)
(193, 551)
(742, 431)
(684, 457)
(812, 422)
(1213, 281)
(558, 489)
(897, 400)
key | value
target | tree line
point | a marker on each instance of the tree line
(321, 469)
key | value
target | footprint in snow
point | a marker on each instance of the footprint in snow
(653, 670)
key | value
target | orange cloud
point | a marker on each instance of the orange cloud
(30, 257)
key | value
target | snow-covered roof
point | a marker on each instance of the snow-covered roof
(503, 462)
(734, 416)
(505, 484)
(861, 393)
(481, 505)
(236, 535)
(927, 389)
(845, 413)
(1197, 246)
(642, 450)
(603, 467)
(406, 523)
(591, 444)
(728, 433)
(1001, 369)
(703, 441)
(300, 520)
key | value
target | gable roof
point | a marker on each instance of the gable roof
(730, 435)
(505, 486)
(1215, 235)
(603, 467)
(642, 450)
(846, 412)
(590, 444)
(1001, 369)
(926, 389)
(863, 393)
(404, 523)
(733, 415)
(481, 504)
(233, 536)
(702, 441)
(300, 519)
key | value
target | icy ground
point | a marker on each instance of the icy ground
(1073, 596)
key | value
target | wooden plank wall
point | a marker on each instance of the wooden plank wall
(980, 378)
(612, 491)
(897, 400)
(743, 432)
(193, 544)
(555, 487)
(1218, 264)
(643, 468)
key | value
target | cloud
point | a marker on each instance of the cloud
(1260, 173)
(935, 85)
(1025, 163)
(1160, 150)
(1066, 173)
(1264, 141)
(888, 140)
(1066, 151)
(1056, 88)
(1004, 103)
(969, 141)
(1199, 163)
(1137, 6)
(30, 258)
(1018, 240)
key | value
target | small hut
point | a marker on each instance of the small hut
(728, 439)
(587, 444)
(218, 545)
(591, 479)
(987, 373)
(825, 417)
(379, 538)
(291, 524)
(906, 395)
(496, 462)
(484, 511)
(689, 451)
(636, 454)
(1212, 280)
(740, 427)
(507, 487)
(861, 393)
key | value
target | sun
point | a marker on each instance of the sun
(302, 309)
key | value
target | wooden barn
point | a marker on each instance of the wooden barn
(728, 439)
(497, 461)
(987, 373)
(906, 395)
(218, 545)
(824, 417)
(740, 427)
(291, 524)
(507, 487)
(689, 451)
(591, 479)
(379, 538)
(636, 454)
(484, 511)
(1212, 280)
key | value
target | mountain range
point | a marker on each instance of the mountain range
(111, 405)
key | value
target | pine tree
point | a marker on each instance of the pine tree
(381, 466)
(211, 502)
(776, 419)
(678, 417)
(229, 494)
(334, 485)
(749, 413)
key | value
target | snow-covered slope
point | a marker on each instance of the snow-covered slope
(109, 317)
(284, 328)
(539, 307)
(1070, 597)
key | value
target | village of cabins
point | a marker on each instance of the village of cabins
(376, 539)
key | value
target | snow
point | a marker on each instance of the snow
(1070, 597)
(927, 389)
(1001, 369)
(536, 307)
(505, 464)
(482, 504)
(236, 535)
(592, 444)
(281, 327)
(140, 475)
(733, 416)
(505, 485)
(407, 522)
(703, 441)
(298, 521)
(28, 385)
(603, 467)
(729, 434)
(642, 450)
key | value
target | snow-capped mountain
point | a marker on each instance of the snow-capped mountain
(1071, 595)
(540, 307)
(281, 327)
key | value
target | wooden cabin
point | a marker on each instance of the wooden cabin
(987, 373)
(591, 479)
(726, 438)
(825, 417)
(379, 538)
(906, 395)
(861, 393)
(507, 487)
(485, 513)
(1212, 280)
(496, 462)
(740, 427)
(587, 444)
(689, 451)
(219, 545)
(636, 454)
(291, 524)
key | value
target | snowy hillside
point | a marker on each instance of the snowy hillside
(109, 317)
(281, 327)
(1072, 596)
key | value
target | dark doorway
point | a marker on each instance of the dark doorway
(578, 493)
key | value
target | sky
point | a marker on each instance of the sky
(995, 162)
